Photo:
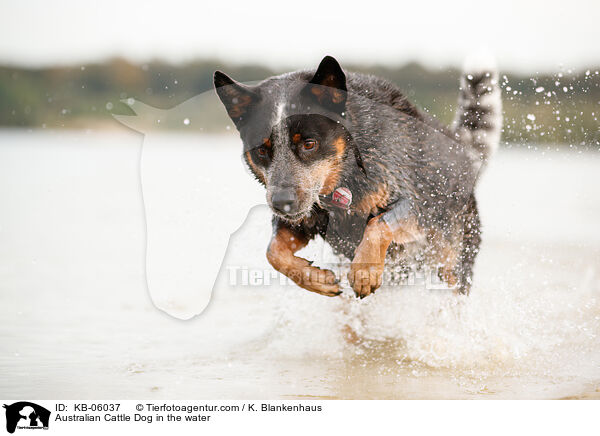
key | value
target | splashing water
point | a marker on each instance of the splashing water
(533, 316)
(79, 323)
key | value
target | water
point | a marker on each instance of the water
(77, 321)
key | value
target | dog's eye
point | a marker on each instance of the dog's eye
(262, 150)
(310, 144)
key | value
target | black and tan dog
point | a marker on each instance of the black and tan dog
(346, 156)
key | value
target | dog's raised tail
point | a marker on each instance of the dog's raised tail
(478, 120)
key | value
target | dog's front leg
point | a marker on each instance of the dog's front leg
(398, 225)
(285, 242)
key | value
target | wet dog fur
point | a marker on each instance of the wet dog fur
(307, 133)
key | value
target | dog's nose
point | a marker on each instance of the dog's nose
(284, 201)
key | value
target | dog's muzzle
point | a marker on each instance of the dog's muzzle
(285, 201)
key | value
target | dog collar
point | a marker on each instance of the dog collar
(341, 197)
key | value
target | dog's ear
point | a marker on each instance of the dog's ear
(328, 85)
(236, 97)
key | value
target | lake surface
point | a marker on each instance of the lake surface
(78, 322)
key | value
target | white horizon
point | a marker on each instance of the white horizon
(524, 37)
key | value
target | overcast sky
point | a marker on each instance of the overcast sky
(523, 35)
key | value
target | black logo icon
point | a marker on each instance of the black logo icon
(24, 414)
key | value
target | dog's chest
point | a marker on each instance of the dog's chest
(343, 231)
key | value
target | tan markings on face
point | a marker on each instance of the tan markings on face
(330, 174)
(267, 142)
(255, 169)
(296, 138)
(374, 200)
(340, 147)
(240, 102)
(330, 171)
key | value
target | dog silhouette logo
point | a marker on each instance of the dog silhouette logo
(26, 415)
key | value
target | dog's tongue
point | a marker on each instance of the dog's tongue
(341, 197)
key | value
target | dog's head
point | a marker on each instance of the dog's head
(294, 135)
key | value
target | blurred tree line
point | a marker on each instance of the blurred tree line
(558, 108)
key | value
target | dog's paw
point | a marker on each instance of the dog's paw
(320, 281)
(365, 278)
